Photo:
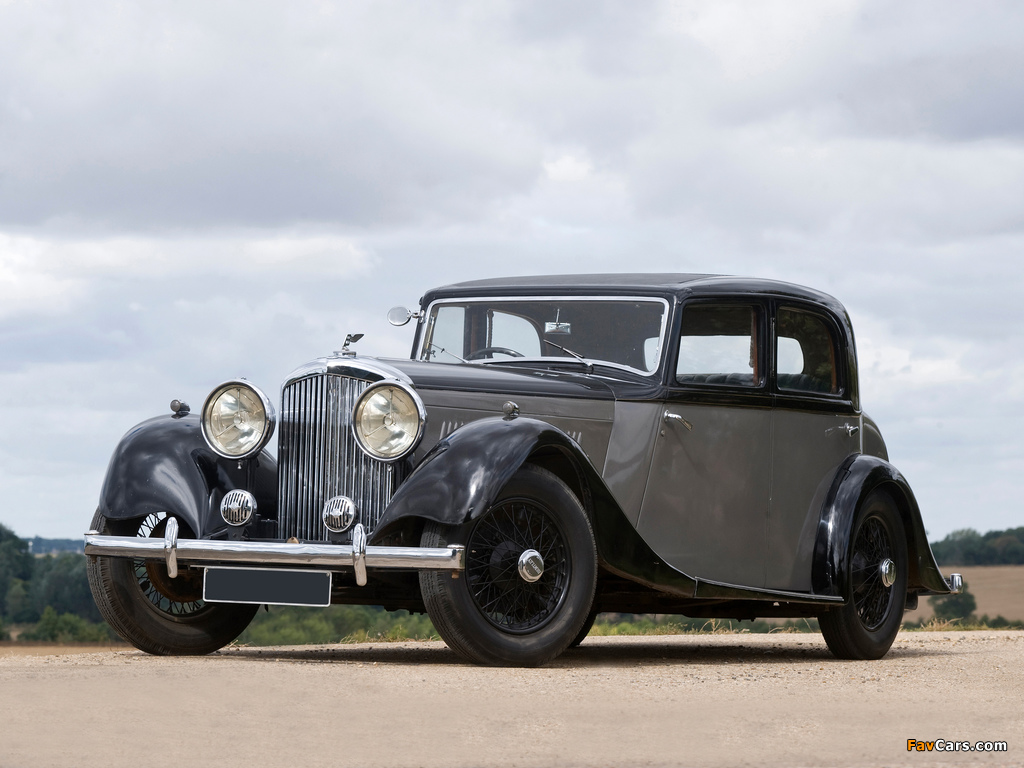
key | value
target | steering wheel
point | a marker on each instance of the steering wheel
(489, 352)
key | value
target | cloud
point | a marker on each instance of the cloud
(191, 192)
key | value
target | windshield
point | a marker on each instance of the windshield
(624, 332)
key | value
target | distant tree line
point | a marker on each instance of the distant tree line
(968, 547)
(54, 588)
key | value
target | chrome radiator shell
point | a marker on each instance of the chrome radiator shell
(318, 457)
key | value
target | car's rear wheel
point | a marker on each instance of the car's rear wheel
(531, 572)
(152, 611)
(876, 584)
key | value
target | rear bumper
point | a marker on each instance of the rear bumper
(330, 557)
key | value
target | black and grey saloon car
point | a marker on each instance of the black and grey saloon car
(554, 447)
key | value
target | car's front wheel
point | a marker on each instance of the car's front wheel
(531, 572)
(152, 611)
(876, 584)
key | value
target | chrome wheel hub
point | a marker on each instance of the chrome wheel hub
(531, 565)
(887, 572)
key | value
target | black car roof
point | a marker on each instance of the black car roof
(623, 283)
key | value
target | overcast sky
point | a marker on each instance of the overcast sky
(195, 191)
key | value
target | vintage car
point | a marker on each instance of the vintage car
(555, 447)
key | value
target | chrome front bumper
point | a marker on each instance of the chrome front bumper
(330, 557)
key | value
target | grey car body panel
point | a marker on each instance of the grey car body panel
(587, 422)
(706, 503)
(630, 446)
(503, 379)
(800, 481)
(872, 442)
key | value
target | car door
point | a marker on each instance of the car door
(705, 508)
(815, 426)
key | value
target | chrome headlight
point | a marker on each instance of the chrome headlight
(388, 420)
(238, 420)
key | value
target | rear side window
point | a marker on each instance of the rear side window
(805, 353)
(719, 345)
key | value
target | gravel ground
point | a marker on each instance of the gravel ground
(716, 700)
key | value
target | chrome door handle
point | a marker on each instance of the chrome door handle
(669, 416)
(849, 429)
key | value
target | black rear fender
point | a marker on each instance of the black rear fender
(857, 477)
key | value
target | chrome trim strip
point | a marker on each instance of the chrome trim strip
(366, 368)
(720, 590)
(321, 556)
(606, 297)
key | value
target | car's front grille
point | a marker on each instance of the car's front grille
(318, 458)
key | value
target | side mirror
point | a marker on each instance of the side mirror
(399, 316)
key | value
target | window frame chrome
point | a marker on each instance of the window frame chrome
(427, 323)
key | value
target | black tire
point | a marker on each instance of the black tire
(585, 630)
(490, 614)
(867, 624)
(150, 610)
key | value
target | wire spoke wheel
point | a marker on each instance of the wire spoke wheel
(503, 596)
(181, 596)
(152, 611)
(530, 576)
(870, 594)
(876, 583)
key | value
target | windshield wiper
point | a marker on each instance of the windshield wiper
(445, 351)
(577, 355)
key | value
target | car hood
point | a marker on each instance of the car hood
(469, 377)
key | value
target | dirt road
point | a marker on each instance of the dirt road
(719, 700)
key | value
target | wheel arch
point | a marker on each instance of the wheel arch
(164, 465)
(462, 475)
(859, 476)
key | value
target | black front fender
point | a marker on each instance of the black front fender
(857, 477)
(164, 465)
(460, 477)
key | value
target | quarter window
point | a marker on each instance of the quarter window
(719, 345)
(805, 353)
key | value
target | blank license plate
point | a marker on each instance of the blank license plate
(267, 586)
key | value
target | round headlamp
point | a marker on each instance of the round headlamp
(238, 420)
(388, 420)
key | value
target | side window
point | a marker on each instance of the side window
(805, 353)
(719, 344)
(445, 335)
